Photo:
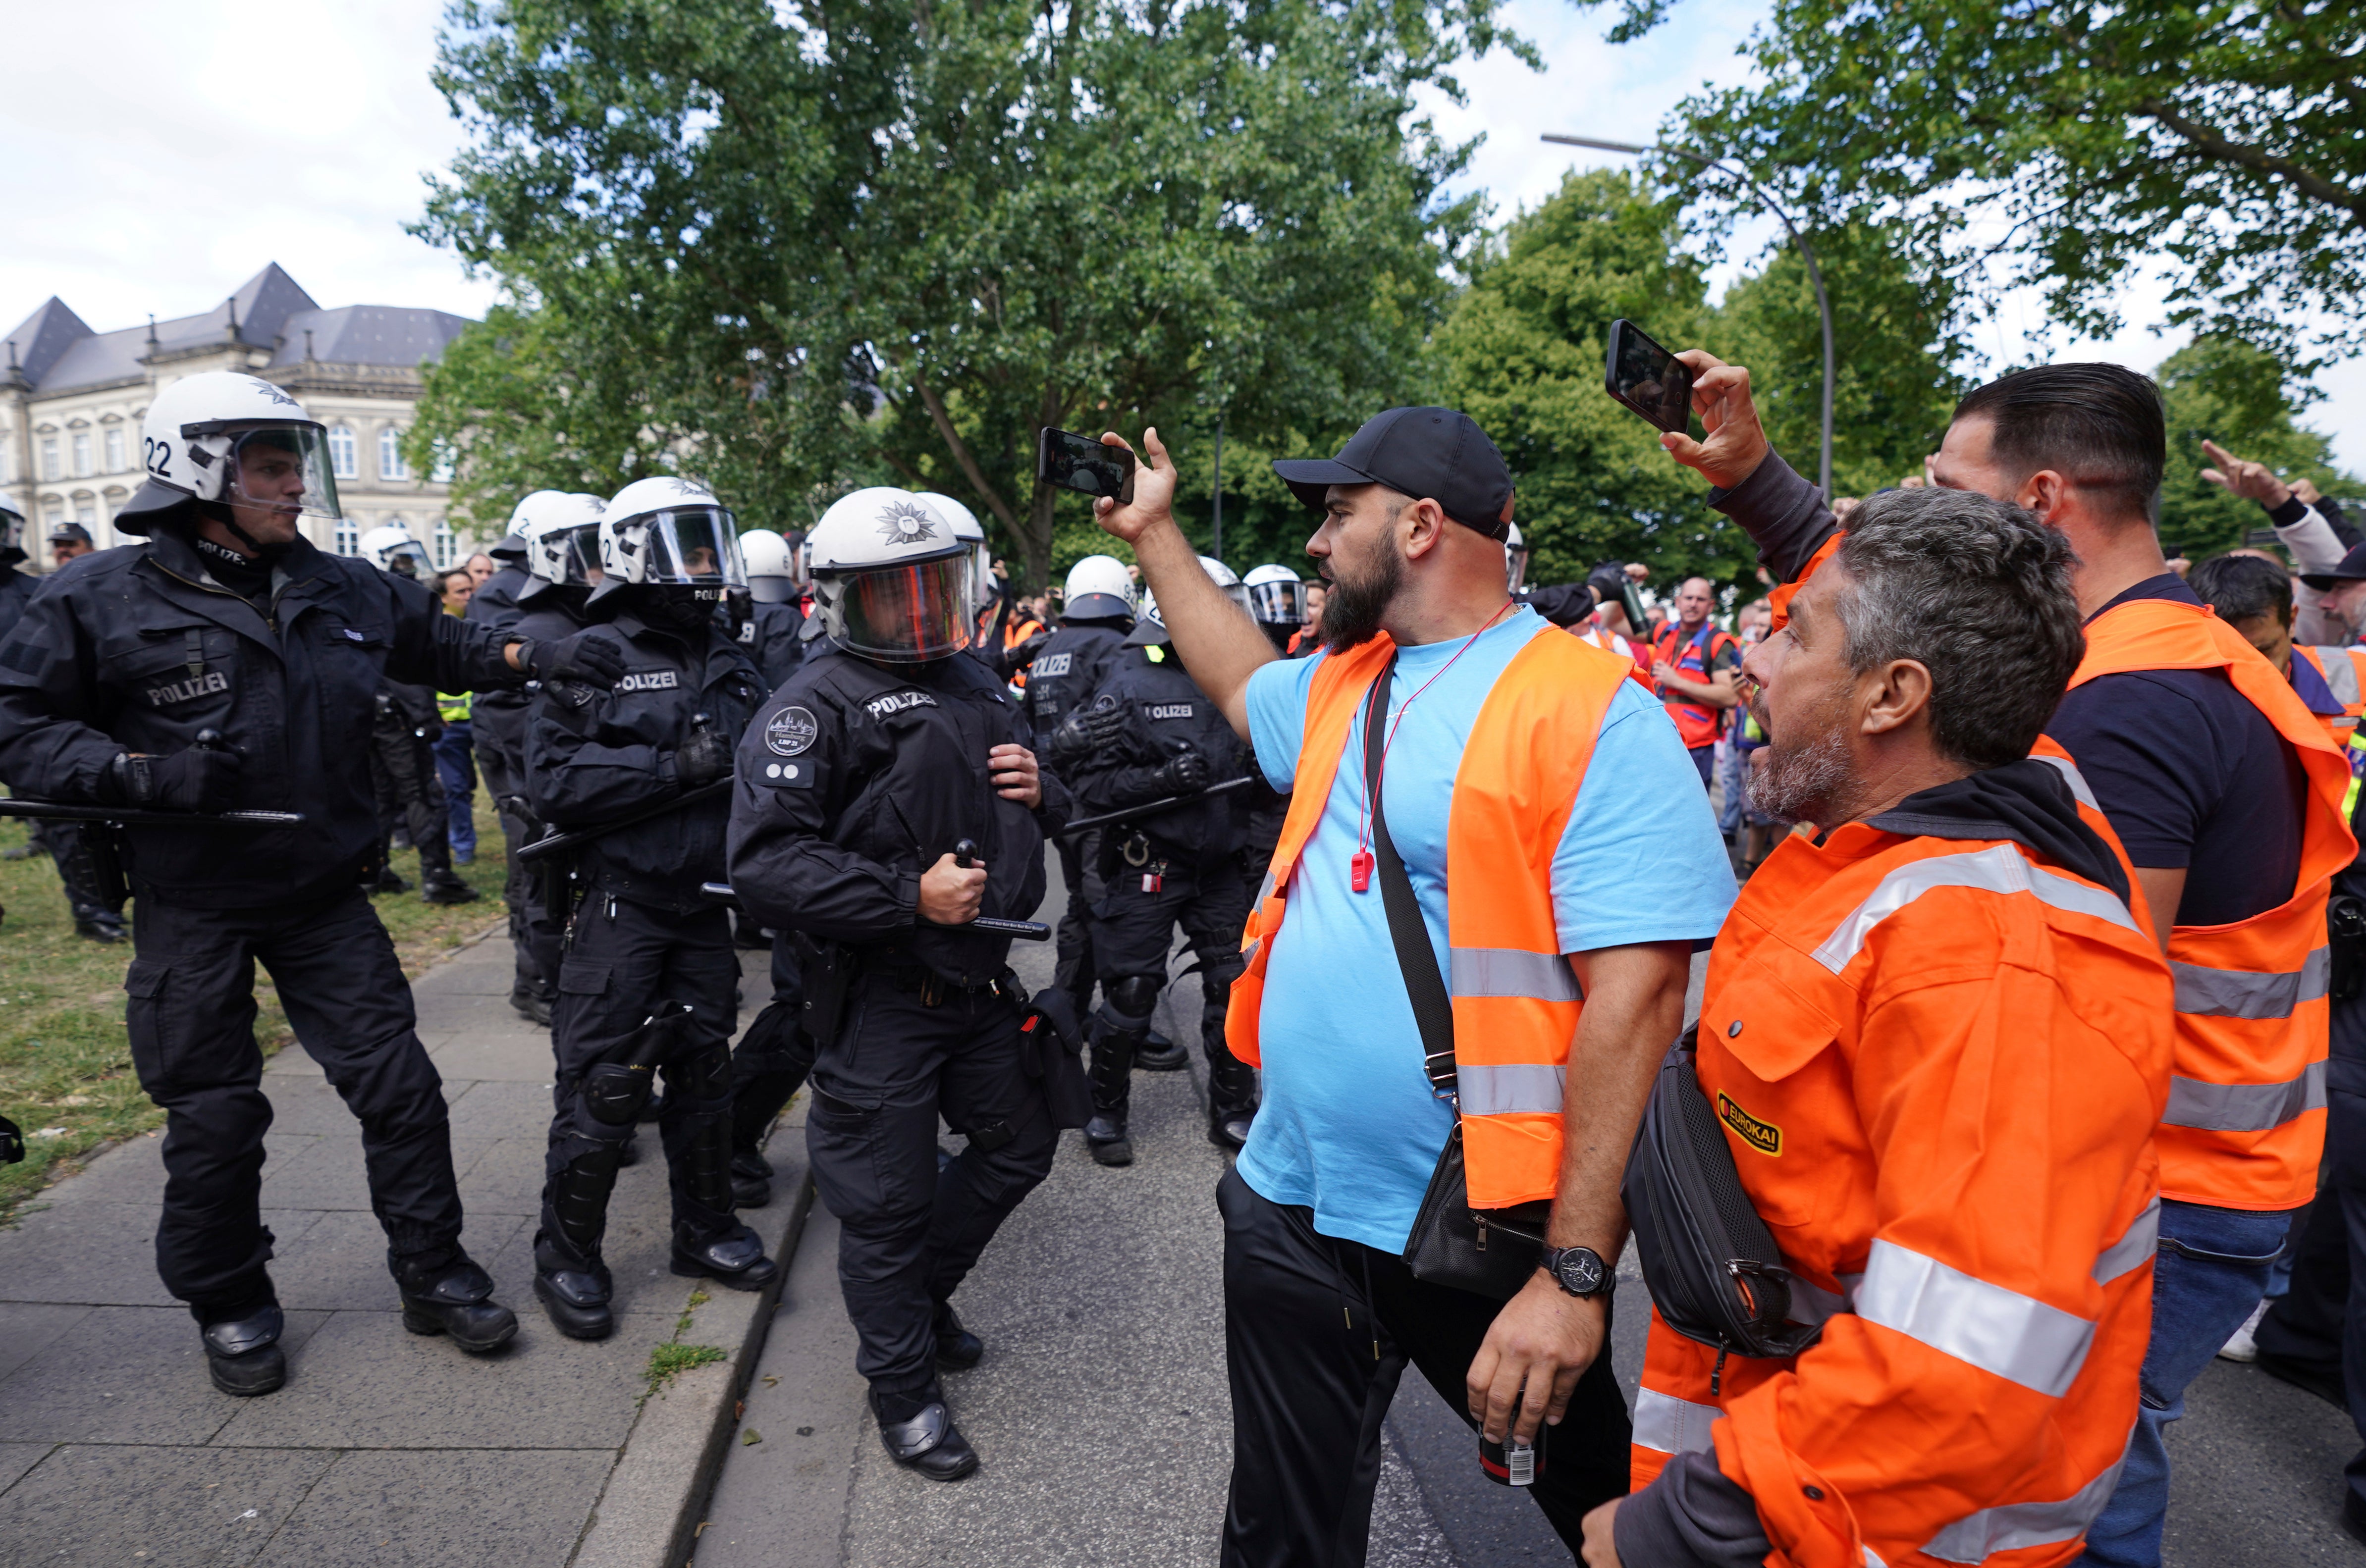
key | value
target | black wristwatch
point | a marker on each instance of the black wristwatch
(1578, 1271)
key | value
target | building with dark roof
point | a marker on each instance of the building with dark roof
(71, 400)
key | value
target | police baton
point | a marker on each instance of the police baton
(66, 811)
(1167, 805)
(561, 843)
(1025, 930)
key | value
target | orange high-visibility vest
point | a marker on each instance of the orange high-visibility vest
(1939, 1065)
(1697, 723)
(2245, 1118)
(2344, 671)
(1515, 1002)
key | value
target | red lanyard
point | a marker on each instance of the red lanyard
(1359, 865)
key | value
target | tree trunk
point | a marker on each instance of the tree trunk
(1037, 541)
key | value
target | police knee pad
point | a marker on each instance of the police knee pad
(701, 1073)
(1128, 1001)
(613, 1093)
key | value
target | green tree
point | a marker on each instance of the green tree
(2225, 390)
(805, 245)
(2224, 139)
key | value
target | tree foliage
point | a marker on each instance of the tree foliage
(794, 248)
(2228, 391)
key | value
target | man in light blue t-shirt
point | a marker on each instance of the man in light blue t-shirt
(1322, 1314)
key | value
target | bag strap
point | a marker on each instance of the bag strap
(1433, 1009)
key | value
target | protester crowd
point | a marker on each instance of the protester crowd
(2028, 1057)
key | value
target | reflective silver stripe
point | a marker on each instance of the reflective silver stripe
(2243, 1107)
(1264, 890)
(1669, 1425)
(1871, 1560)
(2340, 674)
(1512, 971)
(2010, 1527)
(1810, 1303)
(1249, 953)
(1506, 1091)
(2246, 993)
(2001, 869)
(2132, 1249)
(2072, 777)
(2000, 1331)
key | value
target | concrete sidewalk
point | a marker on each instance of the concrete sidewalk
(384, 1448)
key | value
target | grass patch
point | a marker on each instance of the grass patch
(65, 1065)
(676, 1357)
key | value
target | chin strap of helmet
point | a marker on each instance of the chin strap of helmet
(218, 512)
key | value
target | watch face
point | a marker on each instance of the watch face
(1581, 1270)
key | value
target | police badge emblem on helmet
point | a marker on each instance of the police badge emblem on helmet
(790, 732)
(907, 523)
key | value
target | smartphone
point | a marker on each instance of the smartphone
(1080, 462)
(1649, 379)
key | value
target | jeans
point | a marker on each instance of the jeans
(2212, 1269)
(2320, 1324)
(456, 766)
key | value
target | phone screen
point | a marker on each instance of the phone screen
(1082, 463)
(1648, 378)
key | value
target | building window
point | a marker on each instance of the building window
(445, 463)
(389, 455)
(49, 457)
(443, 544)
(342, 458)
(7, 459)
(53, 514)
(86, 511)
(82, 455)
(349, 530)
(114, 450)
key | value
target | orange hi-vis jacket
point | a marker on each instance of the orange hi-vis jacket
(1516, 1000)
(2344, 670)
(2245, 1118)
(1938, 1064)
(1697, 723)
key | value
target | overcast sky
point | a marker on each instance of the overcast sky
(164, 179)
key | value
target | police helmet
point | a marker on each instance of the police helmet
(1150, 627)
(891, 581)
(1099, 588)
(391, 545)
(1516, 560)
(669, 533)
(966, 527)
(562, 541)
(1276, 597)
(235, 439)
(771, 566)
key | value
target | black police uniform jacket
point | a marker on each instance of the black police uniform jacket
(856, 779)
(17, 591)
(140, 648)
(593, 756)
(495, 604)
(1167, 713)
(774, 637)
(1068, 669)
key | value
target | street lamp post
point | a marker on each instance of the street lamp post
(1806, 254)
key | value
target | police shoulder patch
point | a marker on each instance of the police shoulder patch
(1764, 1136)
(790, 732)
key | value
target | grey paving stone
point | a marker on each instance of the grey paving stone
(123, 1507)
(302, 1104)
(503, 1110)
(15, 1459)
(26, 1328)
(130, 1172)
(339, 1264)
(322, 1172)
(520, 1509)
(507, 1178)
(496, 1055)
(83, 1252)
(131, 1374)
(366, 1382)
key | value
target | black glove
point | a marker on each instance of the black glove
(12, 1142)
(704, 758)
(1015, 659)
(1087, 730)
(1184, 773)
(1607, 580)
(197, 779)
(582, 658)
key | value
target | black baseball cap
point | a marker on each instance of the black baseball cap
(1440, 454)
(69, 533)
(2351, 570)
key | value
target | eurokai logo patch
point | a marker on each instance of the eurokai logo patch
(1764, 1136)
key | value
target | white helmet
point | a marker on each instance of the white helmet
(1150, 627)
(892, 579)
(771, 566)
(391, 545)
(226, 437)
(1516, 560)
(967, 527)
(669, 531)
(1276, 597)
(562, 538)
(1099, 588)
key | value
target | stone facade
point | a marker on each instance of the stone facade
(71, 400)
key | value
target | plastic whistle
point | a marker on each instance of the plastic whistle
(1359, 870)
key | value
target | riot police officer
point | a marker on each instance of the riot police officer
(646, 970)
(776, 619)
(402, 758)
(230, 664)
(1097, 611)
(498, 720)
(886, 798)
(1153, 735)
(1278, 600)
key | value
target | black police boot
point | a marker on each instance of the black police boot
(1230, 1129)
(444, 886)
(455, 1298)
(924, 1441)
(629, 1151)
(574, 1288)
(389, 881)
(956, 1347)
(99, 925)
(243, 1354)
(1105, 1138)
(735, 1259)
(1109, 1066)
(1159, 1054)
(529, 1003)
(1232, 1098)
(752, 1179)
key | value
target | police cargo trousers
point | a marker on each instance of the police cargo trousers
(1134, 931)
(910, 1049)
(1317, 1333)
(1074, 970)
(504, 773)
(621, 961)
(403, 769)
(771, 1059)
(191, 1020)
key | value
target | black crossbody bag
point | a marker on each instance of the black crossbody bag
(1489, 1252)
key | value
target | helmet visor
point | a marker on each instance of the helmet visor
(578, 556)
(1515, 568)
(908, 614)
(410, 557)
(282, 468)
(699, 545)
(1278, 604)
